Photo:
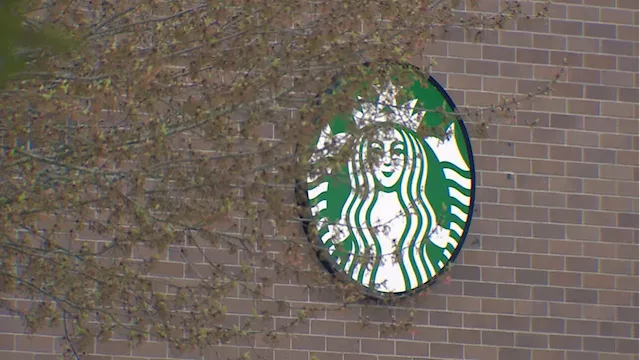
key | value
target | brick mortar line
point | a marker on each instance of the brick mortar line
(565, 162)
(427, 311)
(565, 104)
(560, 207)
(548, 191)
(553, 222)
(515, 142)
(325, 336)
(543, 83)
(465, 90)
(566, 36)
(559, 239)
(567, 17)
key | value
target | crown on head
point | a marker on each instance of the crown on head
(404, 114)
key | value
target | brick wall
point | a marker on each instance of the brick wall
(550, 267)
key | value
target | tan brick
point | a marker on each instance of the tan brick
(583, 107)
(545, 293)
(522, 71)
(532, 182)
(600, 30)
(514, 228)
(600, 61)
(412, 348)
(582, 296)
(480, 352)
(562, 278)
(627, 33)
(499, 85)
(498, 274)
(582, 355)
(357, 330)
(500, 53)
(11, 325)
(532, 56)
(441, 350)
(533, 277)
(299, 354)
(514, 353)
(583, 44)
(440, 318)
(549, 262)
(628, 94)
(466, 272)
(483, 99)
(617, 78)
(527, 213)
(566, 58)
(565, 310)
(478, 289)
(628, 4)
(539, 354)
(309, 342)
(460, 336)
(566, 153)
(113, 347)
(626, 63)
(449, 65)
(599, 344)
(526, 340)
(151, 349)
(582, 138)
(471, 51)
(498, 338)
(552, 104)
(549, 325)
(509, 38)
(503, 148)
(344, 345)
(459, 81)
(615, 298)
(499, 306)
(531, 308)
(435, 334)
(617, 47)
(514, 165)
(584, 75)
(10, 355)
(532, 25)
(582, 327)
(34, 343)
(512, 291)
(619, 109)
(565, 216)
(327, 327)
(564, 27)
(7, 342)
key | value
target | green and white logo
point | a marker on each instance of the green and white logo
(399, 209)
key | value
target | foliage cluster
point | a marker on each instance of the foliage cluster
(164, 135)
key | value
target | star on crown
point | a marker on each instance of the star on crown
(404, 114)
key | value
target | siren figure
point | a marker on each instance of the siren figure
(392, 218)
(399, 224)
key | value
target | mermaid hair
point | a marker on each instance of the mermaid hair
(421, 218)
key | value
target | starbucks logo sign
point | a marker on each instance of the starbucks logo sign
(396, 211)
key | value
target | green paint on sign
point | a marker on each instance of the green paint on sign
(399, 209)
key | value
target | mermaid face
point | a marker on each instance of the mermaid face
(391, 152)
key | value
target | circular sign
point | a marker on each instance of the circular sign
(397, 210)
